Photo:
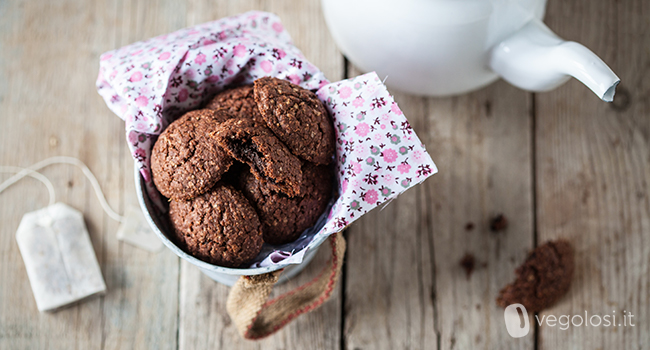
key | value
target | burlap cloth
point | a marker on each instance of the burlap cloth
(255, 316)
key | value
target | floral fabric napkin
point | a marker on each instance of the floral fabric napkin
(151, 83)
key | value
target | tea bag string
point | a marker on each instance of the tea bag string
(32, 171)
(36, 175)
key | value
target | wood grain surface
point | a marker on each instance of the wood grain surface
(593, 176)
(556, 164)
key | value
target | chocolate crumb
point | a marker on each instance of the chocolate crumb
(498, 223)
(469, 226)
(542, 279)
(468, 263)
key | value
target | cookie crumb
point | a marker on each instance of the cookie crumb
(468, 262)
(498, 223)
(542, 279)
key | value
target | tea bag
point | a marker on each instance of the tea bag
(136, 231)
(59, 257)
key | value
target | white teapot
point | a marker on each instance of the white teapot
(448, 47)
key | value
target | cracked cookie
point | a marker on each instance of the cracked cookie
(284, 219)
(268, 158)
(297, 117)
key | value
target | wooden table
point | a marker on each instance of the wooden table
(556, 164)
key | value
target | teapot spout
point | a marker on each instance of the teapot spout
(536, 59)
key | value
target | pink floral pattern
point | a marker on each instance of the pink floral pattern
(153, 82)
(374, 164)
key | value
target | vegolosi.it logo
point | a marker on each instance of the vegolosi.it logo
(516, 318)
(518, 324)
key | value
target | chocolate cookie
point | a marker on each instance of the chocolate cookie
(269, 159)
(219, 227)
(236, 171)
(239, 101)
(186, 160)
(284, 219)
(544, 277)
(297, 117)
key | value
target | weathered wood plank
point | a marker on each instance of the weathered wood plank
(405, 287)
(593, 171)
(204, 322)
(49, 106)
(484, 142)
(389, 285)
(35, 96)
(142, 311)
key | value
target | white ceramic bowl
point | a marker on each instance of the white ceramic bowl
(224, 275)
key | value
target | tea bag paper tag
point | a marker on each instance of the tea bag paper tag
(136, 231)
(59, 256)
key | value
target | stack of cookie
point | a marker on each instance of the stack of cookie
(251, 167)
